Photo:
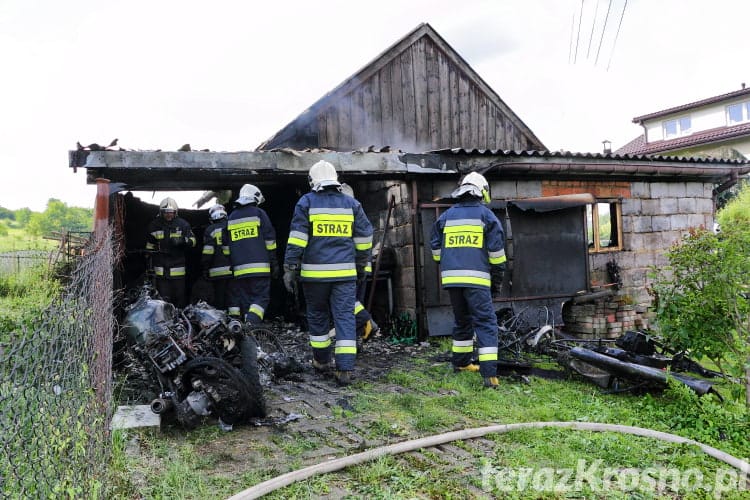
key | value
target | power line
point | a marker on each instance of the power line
(578, 36)
(593, 24)
(570, 45)
(604, 29)
(622, 14)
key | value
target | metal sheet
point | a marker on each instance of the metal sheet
(550, 256)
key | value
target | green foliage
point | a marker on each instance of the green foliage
(59, 217)
(702, 306)
(23, 216)
(3, 229)
(7, 214)
(737, 211)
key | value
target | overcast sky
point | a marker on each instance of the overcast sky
(226, 75)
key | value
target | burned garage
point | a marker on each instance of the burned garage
(582, 230)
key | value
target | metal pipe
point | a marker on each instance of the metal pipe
(101, 208)
(161, 405)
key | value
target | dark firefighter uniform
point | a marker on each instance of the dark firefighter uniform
(252, 251)
(330, 242)
(467, 240)
(215, 261)
(169, 240)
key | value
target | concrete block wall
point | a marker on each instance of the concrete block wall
(375, 197)
(655, 217)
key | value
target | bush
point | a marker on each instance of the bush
(702, 295)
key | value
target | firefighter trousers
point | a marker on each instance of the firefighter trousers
(326, 299)
(473, 313)
(248, 298)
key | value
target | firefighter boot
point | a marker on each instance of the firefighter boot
(371, 329)
(343, 378)
(471, 367)
(322, 367)
(491, 382)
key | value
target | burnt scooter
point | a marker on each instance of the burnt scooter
(205, 363)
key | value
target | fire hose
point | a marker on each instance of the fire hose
(426, 442)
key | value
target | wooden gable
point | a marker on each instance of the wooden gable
(419, 95)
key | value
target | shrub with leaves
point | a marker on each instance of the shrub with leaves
(702, 296)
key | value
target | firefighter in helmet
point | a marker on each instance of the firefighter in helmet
(215, 262)
(469, 243)
(169, 237)
(252, 251)
(329, 246)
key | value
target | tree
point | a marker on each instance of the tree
(59, 217)
(23, 216)
(7, 214)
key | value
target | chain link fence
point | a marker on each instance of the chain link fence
(15, 262)
(55, 388)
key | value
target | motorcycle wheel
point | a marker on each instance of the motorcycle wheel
(249, 368)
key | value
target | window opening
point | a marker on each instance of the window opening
(604, 226)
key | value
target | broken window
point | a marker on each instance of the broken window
(604, 226)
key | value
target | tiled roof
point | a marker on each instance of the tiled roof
(639, 146)
(691, 105)
(633, 146)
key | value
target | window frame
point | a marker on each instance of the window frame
(615, 219)
(679, 131)
(744, 110)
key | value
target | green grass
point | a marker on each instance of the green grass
(18, 239)
(437, 400)
(23, 296)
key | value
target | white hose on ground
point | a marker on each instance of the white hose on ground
(426, 442)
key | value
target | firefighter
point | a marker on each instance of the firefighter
(215, 262)
(366, 326)
(330, 242)
(252, 250)
(468, 242)
(169, 237)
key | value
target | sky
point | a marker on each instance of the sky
(226, 75)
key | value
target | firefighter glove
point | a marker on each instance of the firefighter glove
(497, 273)
(290, 277)
(274, 268)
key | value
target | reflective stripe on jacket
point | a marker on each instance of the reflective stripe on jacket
(328, 236)
(252, 241)
(466, 240)
(215, 254)
(168, 261)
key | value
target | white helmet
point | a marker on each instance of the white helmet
(322, 175)
(347, 189)
(474, 184)
(168, 205)
(217, 212)
(250, 194)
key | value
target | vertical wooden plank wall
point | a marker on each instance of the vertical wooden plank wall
(418, 101)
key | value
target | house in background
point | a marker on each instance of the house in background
(718, 126)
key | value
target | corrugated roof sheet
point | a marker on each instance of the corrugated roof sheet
(572, 155)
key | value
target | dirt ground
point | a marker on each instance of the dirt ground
(302, 405)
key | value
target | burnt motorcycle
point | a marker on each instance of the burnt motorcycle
(204, 362)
